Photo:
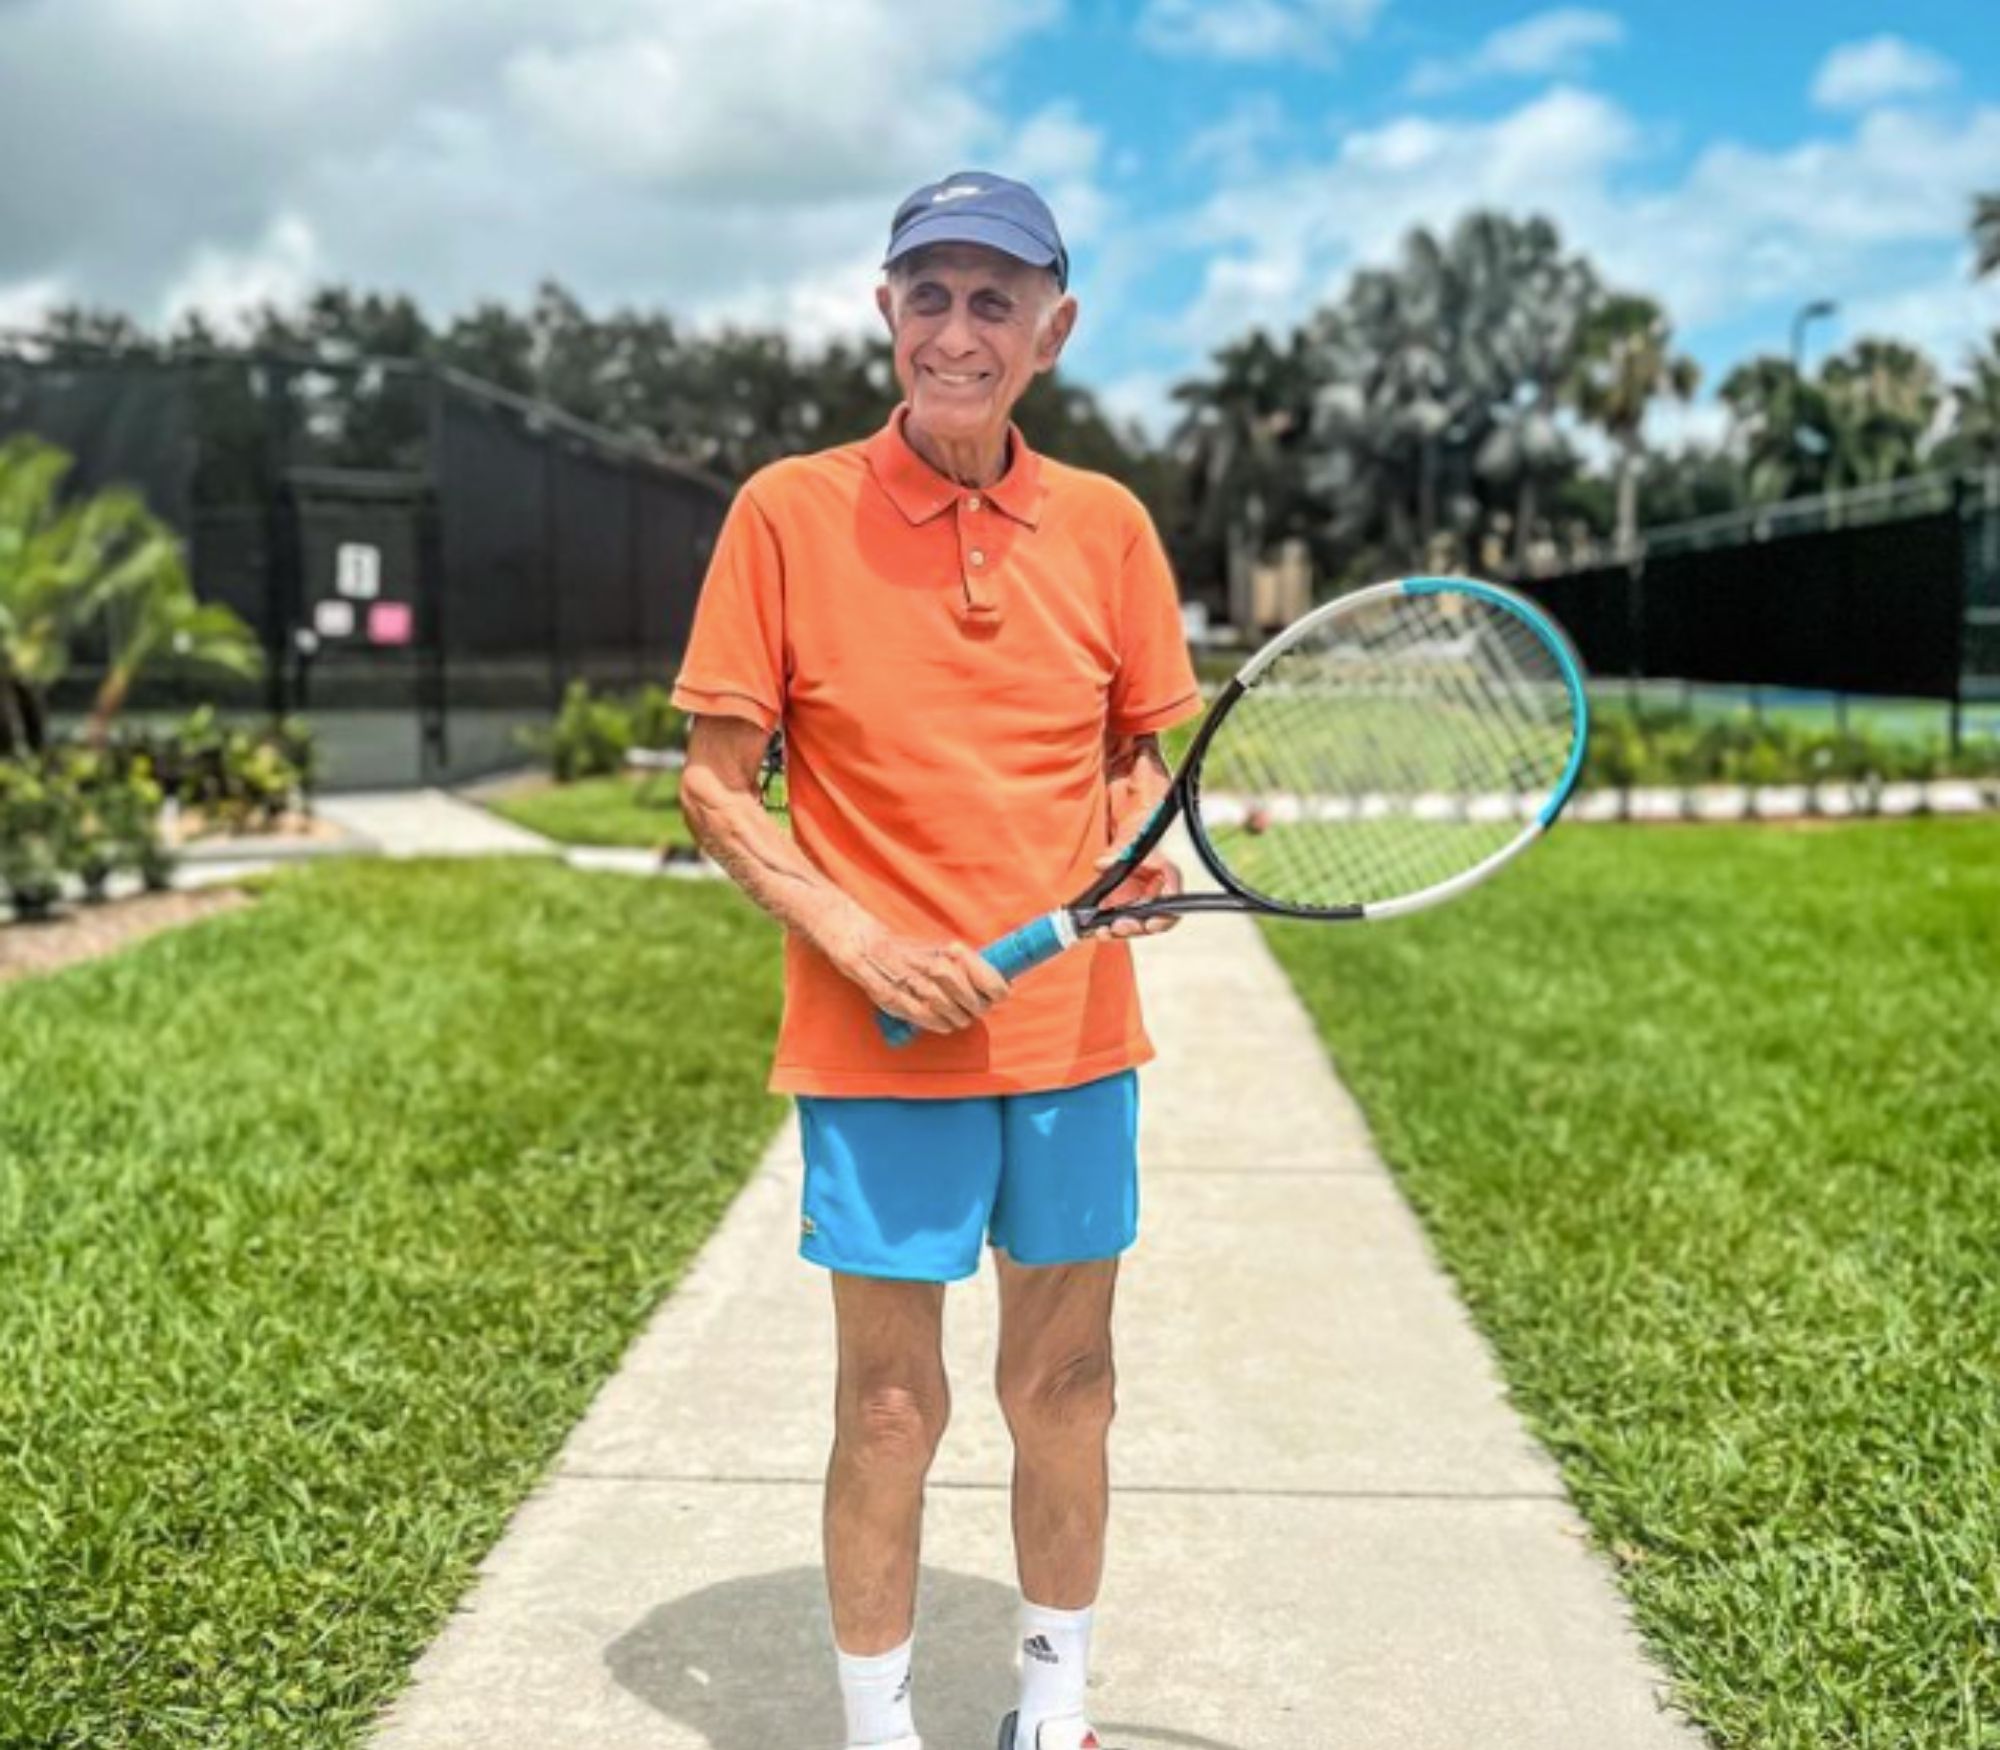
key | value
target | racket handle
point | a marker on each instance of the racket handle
(1011, 956)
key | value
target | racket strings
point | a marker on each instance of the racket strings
(1387, 750)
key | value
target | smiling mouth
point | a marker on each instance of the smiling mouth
(956, 379)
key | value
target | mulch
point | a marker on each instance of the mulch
(83, 932)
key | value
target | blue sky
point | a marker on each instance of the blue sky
(1217, 165)
(1688, 148)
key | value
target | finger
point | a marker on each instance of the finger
(987, 981)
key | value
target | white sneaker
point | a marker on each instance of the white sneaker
(1072, 1732)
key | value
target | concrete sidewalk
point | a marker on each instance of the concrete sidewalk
(1328, 1528)
(429, 823)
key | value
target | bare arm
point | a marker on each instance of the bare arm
(1138, 780)
(940, 986)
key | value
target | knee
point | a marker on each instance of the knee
(894, 1425)
(1073, 1396)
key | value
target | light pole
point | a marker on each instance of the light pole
(1807, 313)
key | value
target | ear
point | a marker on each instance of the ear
(886, 303)
(1055, 333)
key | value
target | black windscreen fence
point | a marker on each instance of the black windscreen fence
(426, 561)
(1876, 609)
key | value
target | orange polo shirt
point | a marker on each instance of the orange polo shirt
(946, 662)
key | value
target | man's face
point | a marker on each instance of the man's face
(972, 328)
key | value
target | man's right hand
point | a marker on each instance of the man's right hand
(937, 986)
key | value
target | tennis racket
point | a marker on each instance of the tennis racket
(1388, 751)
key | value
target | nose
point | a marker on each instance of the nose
(955, 339)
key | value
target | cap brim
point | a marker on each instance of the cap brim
(947, 227)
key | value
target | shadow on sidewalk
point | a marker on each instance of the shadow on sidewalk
(749, 1664)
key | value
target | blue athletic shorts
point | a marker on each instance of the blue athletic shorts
(908, 1188)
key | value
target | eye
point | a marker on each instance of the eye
(929, 298)
(994, 306)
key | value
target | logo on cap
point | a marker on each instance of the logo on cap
(957, 192)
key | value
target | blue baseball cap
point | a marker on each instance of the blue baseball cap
(974, 206)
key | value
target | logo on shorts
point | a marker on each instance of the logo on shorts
(806, 1225)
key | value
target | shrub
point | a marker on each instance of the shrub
(36, 817)
(657, 722)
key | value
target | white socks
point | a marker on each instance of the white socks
(1055, 1665)
(875, 1690)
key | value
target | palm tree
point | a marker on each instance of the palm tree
(62, 564)
(1529, 303)
(1976, 414)
(1239, 440)
(1986, 234)
(1625, 360)
(1780, 427)
(158, 616)
(1884, 397)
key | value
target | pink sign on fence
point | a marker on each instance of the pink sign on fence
(390, 623)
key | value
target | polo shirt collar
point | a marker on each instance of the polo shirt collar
(920, 492)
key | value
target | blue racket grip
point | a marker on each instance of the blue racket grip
(1011, 956)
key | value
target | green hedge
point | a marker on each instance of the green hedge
(1649, 747)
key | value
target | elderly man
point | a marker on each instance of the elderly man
(971, 650)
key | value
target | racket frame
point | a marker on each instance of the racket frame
(1061, 929)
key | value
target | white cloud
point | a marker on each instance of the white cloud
(1855, 75)
(1281, 244)
(24, 303)
(1235, 145)
(1944, 318)
(229, 286)
(757, 98)
(1554, 43)
(1253, 30)
(1744, 234)
(648, 151)
(1144, 399)
(1673, 426)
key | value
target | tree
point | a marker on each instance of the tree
(1883, 398)
(1535, 301)
(61, 564)
(1625, 360)
(1241, 442)
(1986, 234)
(153, 616)
(1780, 428)
(1975, 437)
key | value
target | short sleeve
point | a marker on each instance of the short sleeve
(735, 660)
(1155, 685)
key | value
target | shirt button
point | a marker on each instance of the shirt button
(972, 503)
(977, 557)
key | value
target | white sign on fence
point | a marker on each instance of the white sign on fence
(357, 570)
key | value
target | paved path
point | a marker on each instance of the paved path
(428, 823)
(1329, 1529)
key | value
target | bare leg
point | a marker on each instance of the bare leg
(1056, 1385)
(890, 1408)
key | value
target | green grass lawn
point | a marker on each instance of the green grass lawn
(1706, 1123)
(602, 811)
(321, 1222)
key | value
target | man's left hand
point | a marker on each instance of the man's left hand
(1155, 876)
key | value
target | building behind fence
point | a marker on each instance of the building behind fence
(426, 560)
(1893, 591)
